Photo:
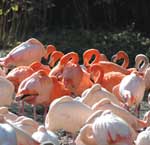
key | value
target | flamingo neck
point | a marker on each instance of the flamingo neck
(87, 56)
(98, 73)
(70, 57)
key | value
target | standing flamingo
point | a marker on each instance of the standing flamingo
(132, 88)
(38, 89)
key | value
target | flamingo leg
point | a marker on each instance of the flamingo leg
(34, 112)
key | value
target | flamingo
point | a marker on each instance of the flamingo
(26, 124)
(105, 130)
(106, 65)
(71, 57)
(94, 94)
(18, 74)
(7, 90)
(132, 120)
(42, 135)
(26, 53)
(141, 62)
(121, 55)
(107, 80)
(55, 56)
(131, 89)
(66, 111)
(22, 137)
(38, 89)
(67, 70)
(7, 114)
(143, 137)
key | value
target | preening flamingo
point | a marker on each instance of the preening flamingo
(26, 53)
(7, 90)
(42, 135)
(133, 121)
(107, 80)
(105, 130)
(96, 93)
(66, 111)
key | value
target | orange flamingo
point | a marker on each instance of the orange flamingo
(26, 53)
(18, 74)
(106, 65)
(88, 54)
(55, 56)
(121, 55)
(38, 89)
(107, 80)
(71, 57)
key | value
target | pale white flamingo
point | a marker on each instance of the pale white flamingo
(42, 135)
(66, 111)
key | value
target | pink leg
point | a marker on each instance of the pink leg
(34, 112)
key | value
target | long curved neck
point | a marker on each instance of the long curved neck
(55, 56)
(141, 62)
(87, 56)
(126, 59)
(122, 55)
(49, 50)
(70, 57)
(97, 72)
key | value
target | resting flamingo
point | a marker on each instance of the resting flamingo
(107, 80)
(94, 94)
(66, 111)
(105, 130)
(38, 89)
(22, 137)
(134, 122)
(26, 53)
